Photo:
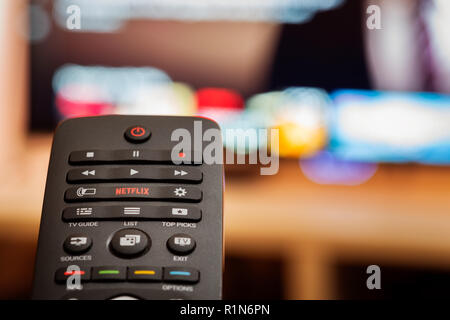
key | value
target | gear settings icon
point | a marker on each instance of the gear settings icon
(180, 192)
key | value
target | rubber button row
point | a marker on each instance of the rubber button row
(136, 273)
(134, 173)
(133, 192)
(135, 156)
(130, 243)
(134, 212)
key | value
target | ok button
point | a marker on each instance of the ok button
(137, 134)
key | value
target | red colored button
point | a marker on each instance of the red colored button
(138, 131)
(137, 134)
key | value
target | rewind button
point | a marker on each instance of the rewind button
(136, 173)
(88, 173)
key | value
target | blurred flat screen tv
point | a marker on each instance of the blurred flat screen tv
(248, 46)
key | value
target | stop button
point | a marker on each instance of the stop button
(137, 134)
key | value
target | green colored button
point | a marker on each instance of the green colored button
(108, 272)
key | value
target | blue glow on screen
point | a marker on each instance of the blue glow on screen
(375, 126)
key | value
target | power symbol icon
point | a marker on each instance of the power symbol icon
(137, 131)
(137, 134)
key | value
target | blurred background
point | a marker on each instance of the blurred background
(363, 115)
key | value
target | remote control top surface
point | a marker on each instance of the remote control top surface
(120, 216)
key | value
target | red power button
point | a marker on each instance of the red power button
(137, 134)
(138, 131)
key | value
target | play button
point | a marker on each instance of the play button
(133, 172)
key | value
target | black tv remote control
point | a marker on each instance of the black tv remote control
(124, 219)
